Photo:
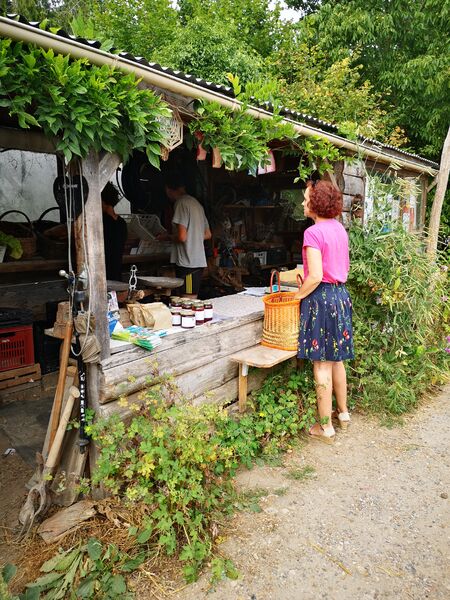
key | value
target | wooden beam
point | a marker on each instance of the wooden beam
(22, 139)
(95, 251)
(107, 167)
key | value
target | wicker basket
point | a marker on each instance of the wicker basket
(22, 231)
(48, 247)
(281, 318)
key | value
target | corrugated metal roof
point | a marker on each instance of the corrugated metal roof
(297, 116)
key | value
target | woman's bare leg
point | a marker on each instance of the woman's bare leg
(323, 378)
(340, 386)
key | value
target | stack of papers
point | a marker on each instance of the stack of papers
(140, 336)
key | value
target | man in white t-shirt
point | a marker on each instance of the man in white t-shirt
(190, 229)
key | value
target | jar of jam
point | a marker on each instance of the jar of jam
(199, 311)
(175, 303)
(208, 306)
(186, 304)
(176, 316)
(187, 319)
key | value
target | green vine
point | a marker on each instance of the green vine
(243, 140)
(84, 106)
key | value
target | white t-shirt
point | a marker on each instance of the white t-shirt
(191, 253)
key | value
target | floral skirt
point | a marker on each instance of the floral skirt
(326, 324)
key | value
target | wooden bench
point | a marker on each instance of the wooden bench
(257, 356)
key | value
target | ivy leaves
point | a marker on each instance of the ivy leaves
(84, 106)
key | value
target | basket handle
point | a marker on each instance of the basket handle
(16, 211)
(272, 275)
(47, 211)
(299, 280)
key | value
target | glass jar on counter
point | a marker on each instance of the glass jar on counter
(187, 319)
(186, 304)
(176, 316)
(199, 311)
(208, 306)
(175, 303)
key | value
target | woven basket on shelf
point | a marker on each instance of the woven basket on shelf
(47, 246)
(22, 231)
(281, 318)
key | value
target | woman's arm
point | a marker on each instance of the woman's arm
(315, 273)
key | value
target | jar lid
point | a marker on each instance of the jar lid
(187, 313)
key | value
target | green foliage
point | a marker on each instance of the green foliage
(137, 26)
(316, 154)
(301, 474)
(401, 318)
(85, 106)
(209, 49)
(243, 141)
(403, 47)
(14, 245)
(86, 572)
(334, 91)
(179, 460)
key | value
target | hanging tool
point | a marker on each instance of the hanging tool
(79, 298)
(38, 496)
(59, 392)
(132, 282)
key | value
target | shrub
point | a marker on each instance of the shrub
(400, 319)
(179, 460)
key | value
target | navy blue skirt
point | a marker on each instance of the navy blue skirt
(326, 324)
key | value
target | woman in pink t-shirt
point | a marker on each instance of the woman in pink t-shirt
(326, 309)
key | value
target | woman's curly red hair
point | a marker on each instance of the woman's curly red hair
(325, 200)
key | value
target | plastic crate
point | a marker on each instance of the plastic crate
(16, 347)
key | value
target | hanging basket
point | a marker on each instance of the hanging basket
(22, 231)
(47, 246)
(281, 317)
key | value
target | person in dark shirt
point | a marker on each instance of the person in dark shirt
(114, 233)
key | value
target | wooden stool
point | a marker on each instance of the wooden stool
(257, 356)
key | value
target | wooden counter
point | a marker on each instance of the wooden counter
(199, 359)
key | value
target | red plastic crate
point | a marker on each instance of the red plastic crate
(16, 347)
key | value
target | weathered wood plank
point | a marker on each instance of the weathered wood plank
(353, 185)
(30, 141)
(197, 335)
(95, 252)
(347, 202)
(228, 392)
(107, 167)
(64, 521)
(356, 169)
(132, 377)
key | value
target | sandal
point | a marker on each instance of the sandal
(343, 418)
(327, 436)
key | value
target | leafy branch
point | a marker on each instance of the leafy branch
(84, 106)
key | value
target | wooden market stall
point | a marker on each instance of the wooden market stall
(200, 360)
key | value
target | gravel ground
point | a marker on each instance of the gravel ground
(369, 518)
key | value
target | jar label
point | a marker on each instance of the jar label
(188, 321)
(208, 313)
(176, 318)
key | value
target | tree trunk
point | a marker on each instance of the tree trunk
(442, 180)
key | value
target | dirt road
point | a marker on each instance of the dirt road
(366, 519)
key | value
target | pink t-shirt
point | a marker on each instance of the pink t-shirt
(330, 237)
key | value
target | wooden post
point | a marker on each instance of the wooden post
(243, 374)
(95, 252)
(442, 180)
